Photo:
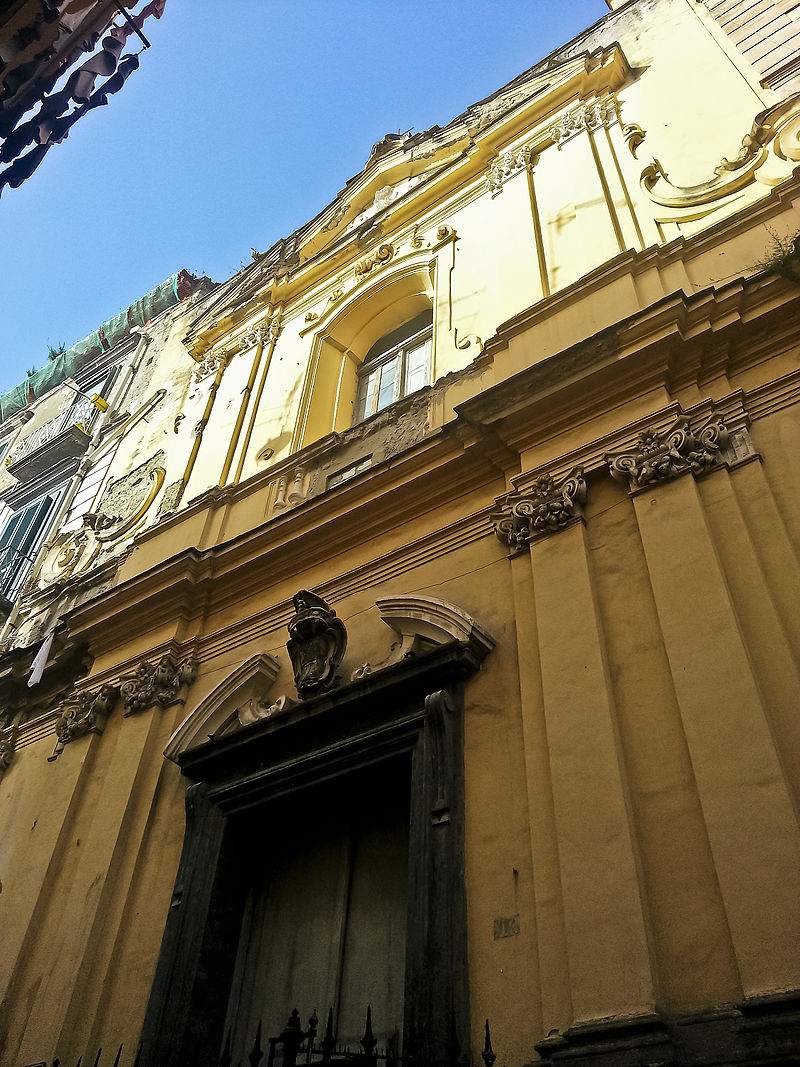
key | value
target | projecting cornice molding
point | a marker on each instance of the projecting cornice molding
(405, 177)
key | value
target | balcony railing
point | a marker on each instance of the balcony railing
(65, 435)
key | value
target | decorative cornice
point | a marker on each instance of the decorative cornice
(161, 682)
(85, 713)
(660, 456)
(544, 508)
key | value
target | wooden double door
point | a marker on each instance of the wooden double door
(325, 921)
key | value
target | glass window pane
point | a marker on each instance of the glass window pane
(367, 395)
(417, 367)
(388, 373)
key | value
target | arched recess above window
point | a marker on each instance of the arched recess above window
(383, 311)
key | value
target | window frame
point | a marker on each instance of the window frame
(400, 350)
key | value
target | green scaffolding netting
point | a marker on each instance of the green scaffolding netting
(69, 363)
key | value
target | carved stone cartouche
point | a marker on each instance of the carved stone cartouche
(85, 713)
(157, 683)
(543, 508)
(658, 457)
(317, 643)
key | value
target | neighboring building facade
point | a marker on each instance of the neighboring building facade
(450, 585)
(41, 42)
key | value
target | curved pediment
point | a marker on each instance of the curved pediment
(227, 705)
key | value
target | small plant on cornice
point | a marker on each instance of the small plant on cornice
(782, 256)
(54, 351)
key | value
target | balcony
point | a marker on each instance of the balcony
(64, 437)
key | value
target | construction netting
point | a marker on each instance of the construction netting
(69, 363)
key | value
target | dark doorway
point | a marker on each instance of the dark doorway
(325, 919)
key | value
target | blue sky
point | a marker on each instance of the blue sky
(244, 119)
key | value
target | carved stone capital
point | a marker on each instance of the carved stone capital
(211, 364)
(85, 713)
(543, 508)
(317, 643)
(163, 682)
(261, 333)
(660, 456)
(585, 117)
(506, 166)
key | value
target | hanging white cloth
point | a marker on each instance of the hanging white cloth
(40, 660)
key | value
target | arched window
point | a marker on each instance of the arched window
(398, 364)
(376, 348)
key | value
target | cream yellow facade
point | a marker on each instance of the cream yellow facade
(568, 568)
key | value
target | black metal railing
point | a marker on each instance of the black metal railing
(295, 1047)
(82, 413)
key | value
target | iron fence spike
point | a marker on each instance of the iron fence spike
(488, 1056)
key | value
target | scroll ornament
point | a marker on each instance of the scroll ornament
(660, 456)
(85, 713)
(159, 683)
(382, 254)
(544, 508)
(317, 643)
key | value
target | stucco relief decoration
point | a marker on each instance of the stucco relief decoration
(660, 456)
(506, 166)
(126, 501)
(383, 198)
(163, 682)
(766, 155)
(336, 217)
(317, 641)
(543, 508)
(586, 117)
(634, 136)
(69, 555)
(381, 256)
(85, 713)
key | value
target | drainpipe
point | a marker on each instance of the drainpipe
(80, 473)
